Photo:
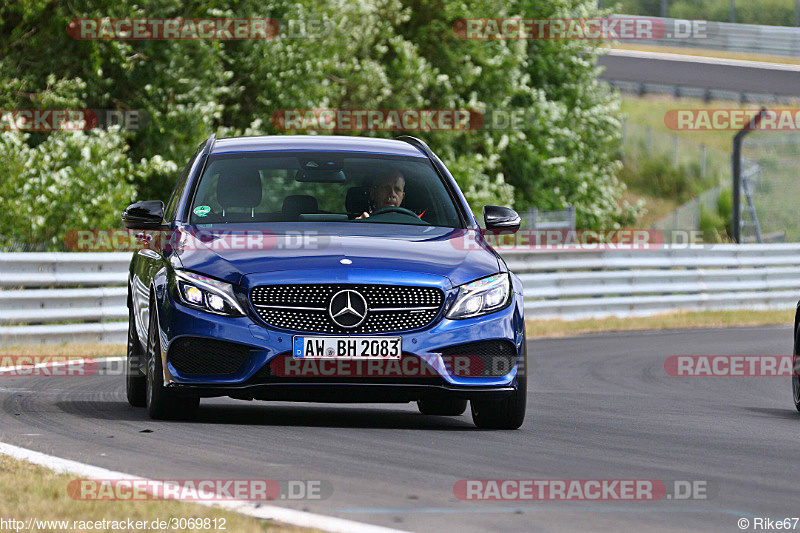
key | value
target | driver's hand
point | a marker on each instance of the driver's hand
(363, 215)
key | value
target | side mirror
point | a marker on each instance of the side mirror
(144, 215)
(497, 217)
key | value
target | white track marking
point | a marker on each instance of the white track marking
(664, 56)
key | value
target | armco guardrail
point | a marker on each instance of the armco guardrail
(51, 298)
(80, 297)
(731, 37)
(625, 283)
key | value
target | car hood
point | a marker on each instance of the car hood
(340, 252)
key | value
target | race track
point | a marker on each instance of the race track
(600, 407)
(700, 72)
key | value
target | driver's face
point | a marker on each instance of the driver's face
(389, 192)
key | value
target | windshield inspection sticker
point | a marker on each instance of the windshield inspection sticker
(202, 210)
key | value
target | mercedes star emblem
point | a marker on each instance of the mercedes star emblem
(348, 309)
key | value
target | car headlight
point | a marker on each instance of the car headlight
(481, 297)
(206, 294)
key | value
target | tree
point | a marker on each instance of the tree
(372, 54)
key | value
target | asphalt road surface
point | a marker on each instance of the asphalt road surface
(600, 407)
(699, 72)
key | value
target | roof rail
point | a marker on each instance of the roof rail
(209, 144)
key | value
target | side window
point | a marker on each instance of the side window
(172, 205)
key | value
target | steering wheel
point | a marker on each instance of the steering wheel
(394, 209)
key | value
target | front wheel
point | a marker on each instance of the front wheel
(135, 382)
(508, 413)
(161, 405)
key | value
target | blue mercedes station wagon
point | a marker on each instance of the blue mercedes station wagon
(323, 269)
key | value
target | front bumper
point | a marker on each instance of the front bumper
(267, 347)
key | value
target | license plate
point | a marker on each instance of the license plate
(348, 347)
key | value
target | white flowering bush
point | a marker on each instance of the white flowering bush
(71, 180)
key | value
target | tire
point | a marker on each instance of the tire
(508, 413)
(135, 382)
(795, 378)
(161, 405)
(442, 407)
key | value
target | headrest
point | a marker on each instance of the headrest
(296, 204)
(239, 190)
(357, 200)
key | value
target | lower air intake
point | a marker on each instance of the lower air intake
(480, 359)
(207, 357)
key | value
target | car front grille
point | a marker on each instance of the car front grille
(305, 307)
(480, 359)
(207, 357)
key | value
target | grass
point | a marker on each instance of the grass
(778, 187)
(31, 491)
(537, 329)
(650, 111)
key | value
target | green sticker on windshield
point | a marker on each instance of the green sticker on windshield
(202, 210)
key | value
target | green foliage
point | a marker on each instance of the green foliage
(373, 54)
(712, 225)
(716, 225)
(769, 12)
(725, 210)
(658, 176)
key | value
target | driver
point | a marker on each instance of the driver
(388, 192)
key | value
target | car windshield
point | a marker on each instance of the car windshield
(319, 187)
